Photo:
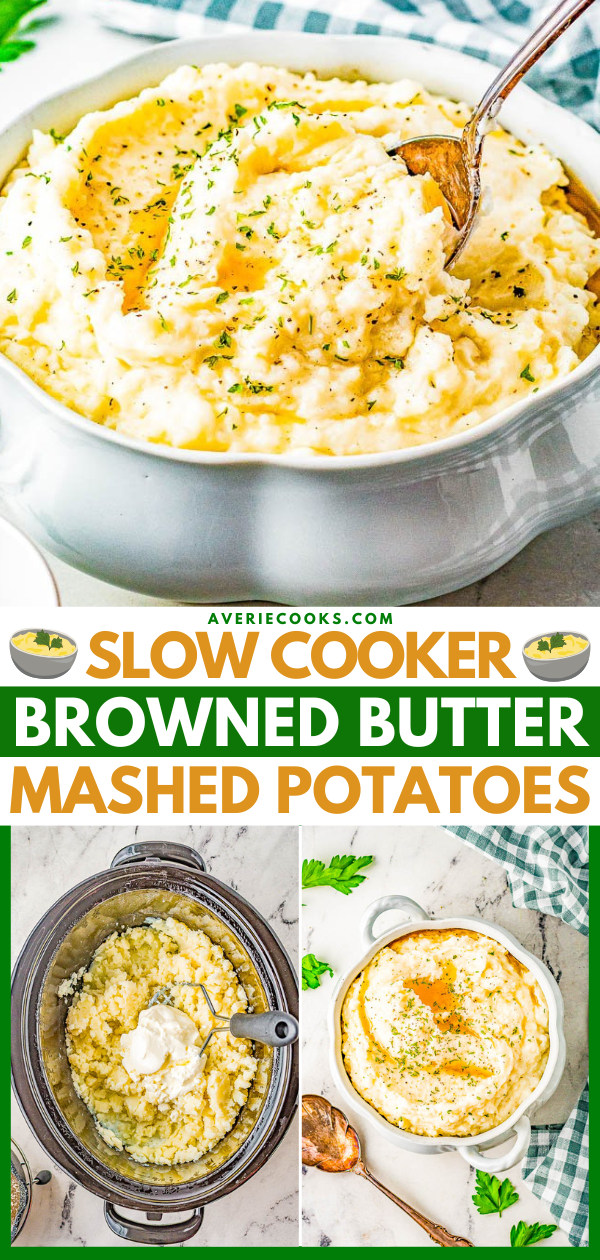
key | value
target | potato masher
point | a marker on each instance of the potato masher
(272, 1028)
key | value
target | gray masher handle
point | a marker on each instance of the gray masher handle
(273, 1028)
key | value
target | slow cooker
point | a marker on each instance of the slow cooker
(147, 880)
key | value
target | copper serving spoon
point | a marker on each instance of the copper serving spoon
(330, 1143)
(454, 161)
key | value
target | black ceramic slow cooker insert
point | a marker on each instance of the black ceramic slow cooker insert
(147, 880)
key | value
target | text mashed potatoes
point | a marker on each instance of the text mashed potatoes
(232, 261)
(445, 1033)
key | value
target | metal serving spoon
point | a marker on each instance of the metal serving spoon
(330, 1143)
(454, 161)
(271, 1028)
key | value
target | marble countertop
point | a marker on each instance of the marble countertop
(46, 862)
(447, 878)
(560, 568)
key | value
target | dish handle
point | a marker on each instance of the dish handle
(155, 1235)
(156, 851)
(396, 901)
(478, 1159)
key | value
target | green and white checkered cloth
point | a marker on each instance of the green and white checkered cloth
(548, 871)
(569, 73)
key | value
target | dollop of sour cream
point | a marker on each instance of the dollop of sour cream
(164, 1050)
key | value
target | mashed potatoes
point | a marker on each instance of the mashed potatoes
(445, 1033)
(34, 641)
(231, 261)
(131, 1112)
(551, 646)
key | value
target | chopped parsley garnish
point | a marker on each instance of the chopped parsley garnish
(257, 387)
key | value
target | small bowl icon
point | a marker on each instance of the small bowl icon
(42, 666)
(562, 667)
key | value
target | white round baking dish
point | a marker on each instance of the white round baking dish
(472, 1149)
(392, 528)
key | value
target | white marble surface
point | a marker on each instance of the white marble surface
(560, 568)
(46, 862)
(446, 877)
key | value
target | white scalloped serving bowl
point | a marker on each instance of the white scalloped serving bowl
(390, 529)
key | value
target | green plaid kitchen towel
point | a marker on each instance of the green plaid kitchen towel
(548, 871)
(491, 29)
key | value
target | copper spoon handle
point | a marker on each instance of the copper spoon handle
(525, 57)
(437, 1232)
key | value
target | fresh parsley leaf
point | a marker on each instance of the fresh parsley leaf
(543, 645)
(56, 643)
(557, 641)
(312, 970)
(42, 638)
(12, 49)
(341, 874)
(526, 374)
(493, 1195)
(12, 13)
(523, 1235)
